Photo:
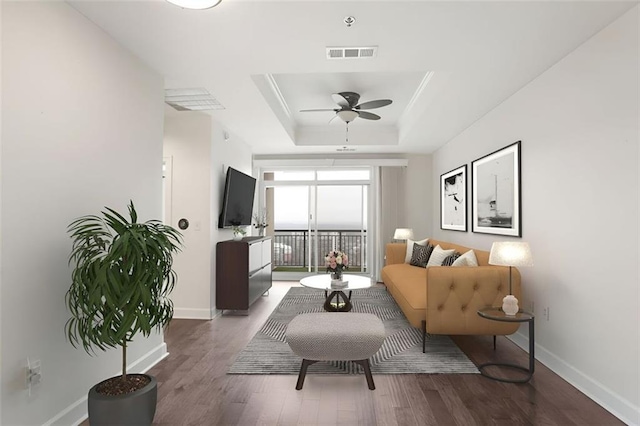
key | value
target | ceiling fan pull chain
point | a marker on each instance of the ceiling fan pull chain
(347, 136)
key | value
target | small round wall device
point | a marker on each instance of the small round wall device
(183, 223)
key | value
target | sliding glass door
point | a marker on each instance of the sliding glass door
(315, 211)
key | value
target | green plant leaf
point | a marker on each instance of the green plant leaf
(122, 275)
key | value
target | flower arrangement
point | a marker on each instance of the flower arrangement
(336, 261)
(260, 221)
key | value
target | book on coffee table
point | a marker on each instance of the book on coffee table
(339, 284)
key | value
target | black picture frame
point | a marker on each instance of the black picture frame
(453, 199)
(496, 187)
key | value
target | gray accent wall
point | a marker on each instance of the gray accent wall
(578, 123)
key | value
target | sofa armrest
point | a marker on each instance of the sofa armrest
(454, 296)
(395, 253)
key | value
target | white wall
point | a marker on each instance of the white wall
(82, 128)
(200, 155)
(0, 198)
(226, 152)
(406, 198)
(418, 195)
(578, 123)
(187, 140)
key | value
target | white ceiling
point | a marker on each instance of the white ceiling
(443, 63)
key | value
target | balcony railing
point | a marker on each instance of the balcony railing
(291, 248)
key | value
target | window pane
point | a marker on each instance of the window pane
(291, 207)
(339, 207)
(343, 174)
(293, 175)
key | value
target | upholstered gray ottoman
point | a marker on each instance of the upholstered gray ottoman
(339, 336)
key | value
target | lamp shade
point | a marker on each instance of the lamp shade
(510, 253)
(195, 4)
(403, 234)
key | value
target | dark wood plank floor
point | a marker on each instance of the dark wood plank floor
(194, 388)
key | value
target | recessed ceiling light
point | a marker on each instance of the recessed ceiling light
(195, 4)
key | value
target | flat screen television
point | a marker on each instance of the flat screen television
(237, 202)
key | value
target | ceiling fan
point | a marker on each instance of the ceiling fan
(349, 109)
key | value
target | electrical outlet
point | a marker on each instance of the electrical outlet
(531, 307)
(545, 313)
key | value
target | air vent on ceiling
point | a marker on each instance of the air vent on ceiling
(345, 149)
(351, 52)
(198, 99)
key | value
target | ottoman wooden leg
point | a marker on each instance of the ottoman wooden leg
(303, 372)
(367, 372)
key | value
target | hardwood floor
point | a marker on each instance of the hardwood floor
(194, 388)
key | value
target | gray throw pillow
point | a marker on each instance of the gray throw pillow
(448, 261)
(420, 255)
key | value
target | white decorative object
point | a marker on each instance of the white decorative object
(510, 305)
(510, 253)
(237, 236)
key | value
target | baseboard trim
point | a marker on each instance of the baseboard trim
(620, 407)
(192, 313)
(76, 413)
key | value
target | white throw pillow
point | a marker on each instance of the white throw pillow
(410, 243)
(467, 259)
(438, 255)
(463, 263)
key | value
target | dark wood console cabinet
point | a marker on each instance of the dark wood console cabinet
(243, 272)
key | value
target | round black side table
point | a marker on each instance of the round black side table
(496, 314)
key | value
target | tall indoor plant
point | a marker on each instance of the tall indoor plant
(121, 280)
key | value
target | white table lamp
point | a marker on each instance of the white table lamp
(510, 253)
(403, 234)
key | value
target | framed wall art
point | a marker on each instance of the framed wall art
(453, 199)
(496, 192)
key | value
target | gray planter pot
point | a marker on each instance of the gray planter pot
(136, 408)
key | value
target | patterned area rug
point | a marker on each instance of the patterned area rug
(401, 353)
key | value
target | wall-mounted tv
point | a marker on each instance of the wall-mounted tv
(237, 202)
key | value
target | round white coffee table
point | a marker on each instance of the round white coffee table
(323, 282)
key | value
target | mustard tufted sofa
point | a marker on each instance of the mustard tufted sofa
(445, 299)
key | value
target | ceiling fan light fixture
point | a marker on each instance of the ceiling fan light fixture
(195, 4)
(347, 115)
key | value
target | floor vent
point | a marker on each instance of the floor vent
(197, 99)
(351, 52)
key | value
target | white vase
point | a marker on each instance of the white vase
(237, 236)
(510, 305)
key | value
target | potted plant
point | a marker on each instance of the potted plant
(238, 232)
(120, 284)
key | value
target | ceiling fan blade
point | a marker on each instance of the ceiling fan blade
(374, 104)
(346, 99)
(314, 110)
(368, 115)
(337, 98)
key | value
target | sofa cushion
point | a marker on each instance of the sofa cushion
(420, 255)
(438, 255)
(410, 243)
(467, 259)
(448, 261)
(411, 282)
